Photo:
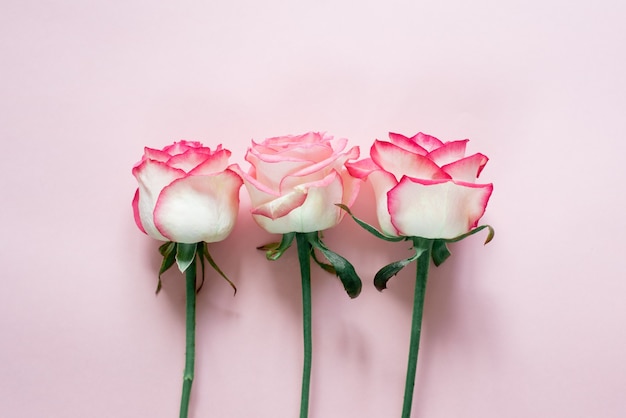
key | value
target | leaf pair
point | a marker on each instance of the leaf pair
(184, 255)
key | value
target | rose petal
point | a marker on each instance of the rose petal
(156, 154)
(449, 152)
(437, 209)
(466, 169)
(199, 208)
(214, 163)
(382, 182)
(271, 173)
(428, 142)
(316, 213)
(362, 168)
(406, 143)
(259, 193)
(136, 212)
(152, 177)
(400, 162)
(182, 146)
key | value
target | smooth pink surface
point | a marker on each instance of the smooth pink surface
(532, 325)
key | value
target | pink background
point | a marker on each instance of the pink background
(532, 325)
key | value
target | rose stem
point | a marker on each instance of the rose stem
(304, 256)
(423, 262)
(190, 353)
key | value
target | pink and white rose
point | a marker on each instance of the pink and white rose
(295, 182)
(187, 193)
(425, 187)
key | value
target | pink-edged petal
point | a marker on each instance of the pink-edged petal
(136, 212)
(188, 160)
(214, 163)
(337, 161)
(361, 169)
(282, 205)
(449, 152)
(199, 208)
(351, 187)
(316, 213)
(399, 162)
(152, 177)
(406, 143)
(466, 169)
(287, 202)
(437, 209)
(428, 142)
(271, 173)
(156, 154)
(181, 146)
(382, 182)
(259, 193)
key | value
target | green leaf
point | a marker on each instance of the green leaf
(490, 236)
(207, 255)
(369, 227)
(168, 251)
(384, 274)
(273, 250)
(343, 269)
(440, 252)
(185, 254)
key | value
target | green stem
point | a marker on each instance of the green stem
(304, 256)
(190, 353)
(423, 262)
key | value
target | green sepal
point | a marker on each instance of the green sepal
(325, 266)
(369, 227)
(343, 269)
(490, 236)
(384, 274)
(185, 254)
(440, 252)
(199, 254)
(274, 250)
(168, 251)
(207, 255)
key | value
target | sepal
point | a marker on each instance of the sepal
(369, 228)
(274, 250)
(207, 255)
(490, 236)
(384, 274)
(342, 267)
(168, 251)
(185, 254)
(440, 252)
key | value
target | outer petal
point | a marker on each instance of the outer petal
(361, 169)
(382, 182)
(466, 169)
(152, 177)
(214, 163)
(136, 212)
(449, 152)
(399, 162)
(259, 193)
(428, 142)
(408, 144)
(318, 212)
(432, 209)
(199, 208)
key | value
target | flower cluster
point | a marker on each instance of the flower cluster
(299, 186)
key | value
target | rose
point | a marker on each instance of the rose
(186, 193)
(295, 182)
(424, 187)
